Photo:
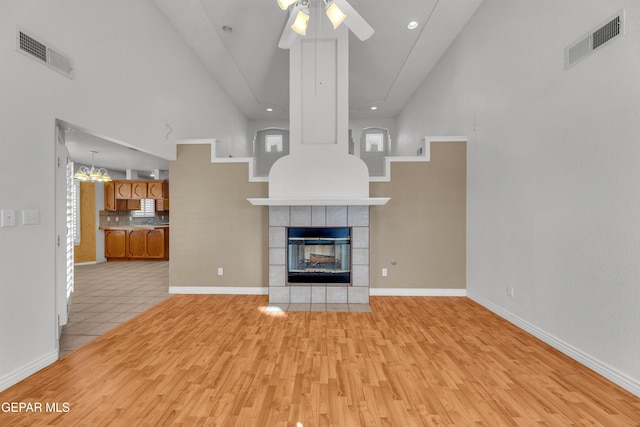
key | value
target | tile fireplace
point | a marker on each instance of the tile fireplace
(319, 254)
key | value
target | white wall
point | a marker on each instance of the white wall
(553, 170)
(133, 74)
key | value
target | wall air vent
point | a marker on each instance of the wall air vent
(39, 50)
(611, 29)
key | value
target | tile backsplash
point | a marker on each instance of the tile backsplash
(122, 218)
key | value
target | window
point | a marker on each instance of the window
(75, 211)
(374, 142)
(147, 209)
(273, 143)
(269, 145)
(72, 203)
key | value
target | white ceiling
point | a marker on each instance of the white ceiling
(110, 155)
(385, 70)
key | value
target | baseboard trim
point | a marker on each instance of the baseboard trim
(416, 292)
(612, 374)
(19, 374)
(218, 290)
(392, 292)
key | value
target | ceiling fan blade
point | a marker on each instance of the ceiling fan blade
(288, 35)
(354, 21)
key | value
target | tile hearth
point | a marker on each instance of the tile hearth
(356, 217)
(329, 308)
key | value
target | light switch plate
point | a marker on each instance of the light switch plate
(31, 217)
(8, 218)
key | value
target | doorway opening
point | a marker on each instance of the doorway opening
(93, 296)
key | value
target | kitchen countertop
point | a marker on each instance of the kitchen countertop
(133, 227)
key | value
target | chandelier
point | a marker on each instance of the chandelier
(93, 174)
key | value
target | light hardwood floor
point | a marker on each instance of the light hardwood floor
(222, 360)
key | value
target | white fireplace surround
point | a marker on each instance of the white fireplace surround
(356, 217)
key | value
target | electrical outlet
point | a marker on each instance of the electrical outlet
(510, 291)
(220, 271)
(385, 272)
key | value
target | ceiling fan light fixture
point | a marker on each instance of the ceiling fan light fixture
(284, 4)
(338, 11)
(336, 16)
(300, 24)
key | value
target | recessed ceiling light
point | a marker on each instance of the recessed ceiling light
(412, 25)
(269, 109)
(374, 108)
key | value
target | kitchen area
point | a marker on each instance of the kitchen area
(135, 220)
(125, 217)
(121, 235)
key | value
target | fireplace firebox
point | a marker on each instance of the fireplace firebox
(319, 255)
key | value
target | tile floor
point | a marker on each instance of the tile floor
(110, 293)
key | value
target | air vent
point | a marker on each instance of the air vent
(611, 29)
(39, 50)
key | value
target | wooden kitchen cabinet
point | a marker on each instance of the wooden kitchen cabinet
(157, 243)
(123, 189)
(115, 244)
(148, 244)
(139, 190)
(126, 195)
(159, 191)
(110, 196)
(156, 189)
(130, 205)
(120, 204)
(137, 244)
(162, 205)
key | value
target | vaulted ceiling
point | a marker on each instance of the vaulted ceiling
(385, 70)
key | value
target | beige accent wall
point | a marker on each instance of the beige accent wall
(423, 227)
(213, 225)
(86, 250)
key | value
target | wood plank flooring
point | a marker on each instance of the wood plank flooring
(222, 360)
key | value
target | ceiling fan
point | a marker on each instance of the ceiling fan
(338, 12)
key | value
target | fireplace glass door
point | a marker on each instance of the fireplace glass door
(319, 255)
